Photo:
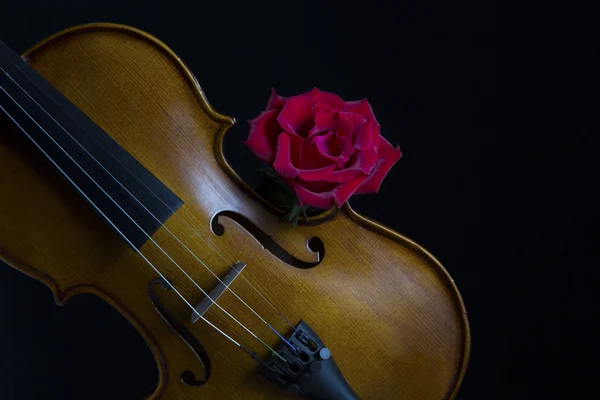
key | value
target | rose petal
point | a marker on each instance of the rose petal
(321, 200)
(365, 160)
(328, 145)
(262, 138)
(361, 163)
(289, 146)
(335, 148)
(325, 120)
(376, 136)
(363, 137)
(343, 192)
(348, 122)
(321, 107)
(275, 101)
(331, 99)
(343, 175)
(388, 156)
(361, 107)
(315, 175)
(316, 186)
(353, 118)
(346, 149)
(297, 115)
(289, 149)
(311, 158)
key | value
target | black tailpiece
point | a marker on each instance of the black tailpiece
(309, 370)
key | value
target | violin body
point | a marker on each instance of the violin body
(386, 308)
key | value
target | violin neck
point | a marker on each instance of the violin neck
(124, 193)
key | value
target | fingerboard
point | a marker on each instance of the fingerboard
(130, 198)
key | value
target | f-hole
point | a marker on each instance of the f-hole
(314, 244)
(187, 377)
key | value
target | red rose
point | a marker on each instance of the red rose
(324, 148)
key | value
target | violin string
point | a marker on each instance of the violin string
(253, 355)
(165, 227)
(112, 224)
(132, 219)
(160, 222)
(272, 306)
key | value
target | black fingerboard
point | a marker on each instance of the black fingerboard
(130, 198)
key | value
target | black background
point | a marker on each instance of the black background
(513, 216)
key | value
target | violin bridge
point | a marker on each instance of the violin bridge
(217, 291)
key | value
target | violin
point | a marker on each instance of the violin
(113, 182)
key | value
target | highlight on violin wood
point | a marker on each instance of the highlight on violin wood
(121, 189)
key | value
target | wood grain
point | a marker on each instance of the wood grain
(387, 309)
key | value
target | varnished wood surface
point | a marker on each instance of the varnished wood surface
(387, 309)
